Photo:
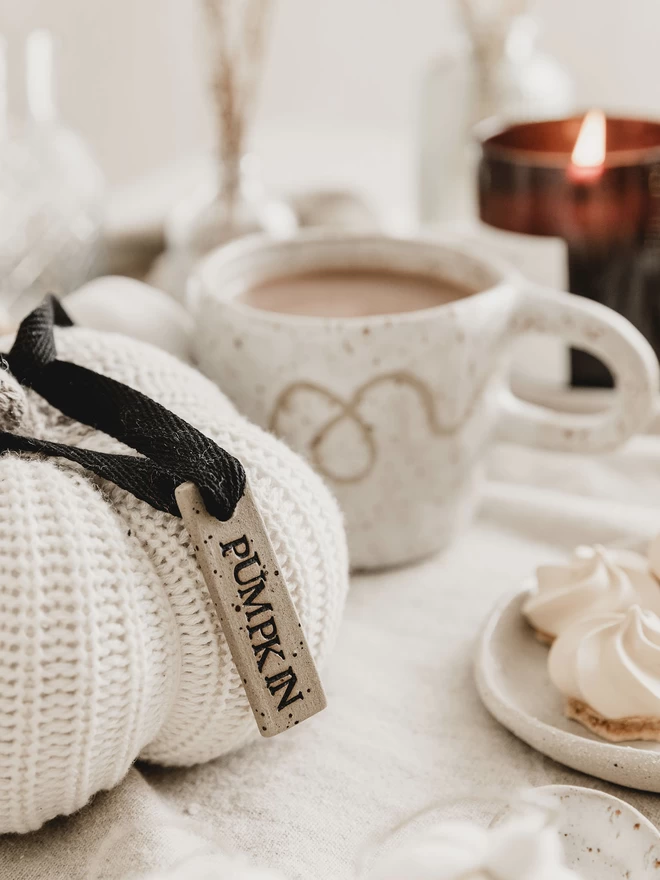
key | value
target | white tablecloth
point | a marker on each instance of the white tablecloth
(404, 727)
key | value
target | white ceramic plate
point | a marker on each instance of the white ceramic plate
(513, 683)
(603, 837)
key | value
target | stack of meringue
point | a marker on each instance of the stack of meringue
(601, 616)
(521, 848)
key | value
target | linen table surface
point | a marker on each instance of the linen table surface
(404, 728)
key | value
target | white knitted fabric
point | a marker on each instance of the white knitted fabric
(109, 644)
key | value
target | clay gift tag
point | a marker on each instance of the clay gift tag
(257, 615)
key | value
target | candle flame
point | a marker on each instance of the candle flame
(589, 149)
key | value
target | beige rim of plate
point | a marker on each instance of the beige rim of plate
(513, 683)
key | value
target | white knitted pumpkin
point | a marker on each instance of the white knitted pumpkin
(110, 647)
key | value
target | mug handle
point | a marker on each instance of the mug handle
(609, 336)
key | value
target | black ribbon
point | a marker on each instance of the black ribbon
(174, 451)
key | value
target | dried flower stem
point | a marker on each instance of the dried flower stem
(237, 51)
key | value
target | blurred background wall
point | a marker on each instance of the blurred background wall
(131, 77)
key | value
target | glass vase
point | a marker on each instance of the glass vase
(51, 191)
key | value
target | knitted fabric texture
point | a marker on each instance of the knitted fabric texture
(110, 647)
(12, 402)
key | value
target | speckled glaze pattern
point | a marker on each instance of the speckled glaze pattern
(396, 411)
(602, 836)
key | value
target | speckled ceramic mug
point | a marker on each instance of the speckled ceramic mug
(396, 411)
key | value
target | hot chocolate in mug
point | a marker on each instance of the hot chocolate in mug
(396, 409)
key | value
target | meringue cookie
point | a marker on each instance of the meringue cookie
(608, 668)
(595, 581)
(522, 848)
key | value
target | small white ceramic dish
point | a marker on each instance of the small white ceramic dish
(604, 838)
(512, 680)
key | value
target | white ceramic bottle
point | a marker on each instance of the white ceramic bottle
(498, 70)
